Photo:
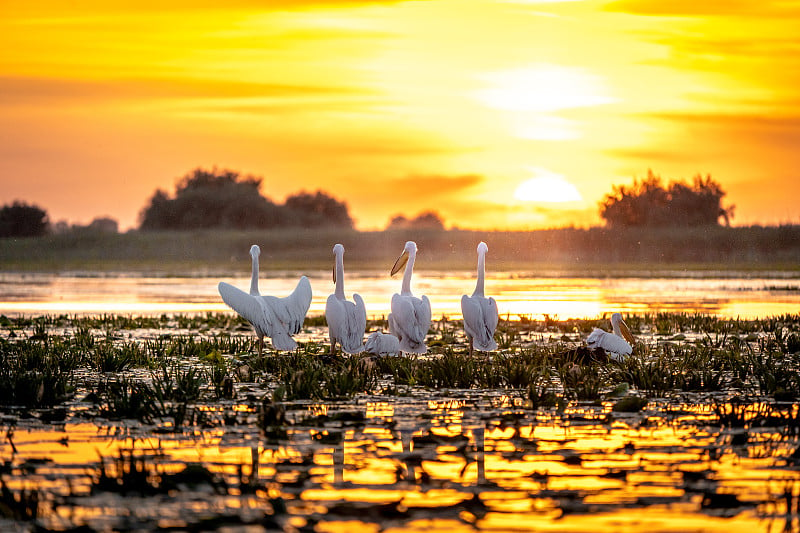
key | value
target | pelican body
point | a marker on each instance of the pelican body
(347, 321)
(270, 316)
(380, 343)
(480, 313)
(619, 343)
(410, 318)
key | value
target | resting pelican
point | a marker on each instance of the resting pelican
(410, 318)
(480, 313)
(380, 343)
(618, 344)
(347, 321)
(277, 318)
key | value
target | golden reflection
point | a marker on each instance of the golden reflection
(382, 410)
(518, 294)
(549, 471)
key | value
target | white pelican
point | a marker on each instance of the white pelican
(410, 318)
(347, 321)
(618, 344)
(480, 313)
(277, 318)
(379, 343)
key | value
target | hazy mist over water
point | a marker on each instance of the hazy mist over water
(728, 294)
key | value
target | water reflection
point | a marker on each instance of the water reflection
(731, 295)
(482, 461)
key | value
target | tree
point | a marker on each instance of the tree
(22, 220)
(424, 220)
(318, 209)
(206, 199)
(650, 203)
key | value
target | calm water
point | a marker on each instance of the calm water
(728, 294)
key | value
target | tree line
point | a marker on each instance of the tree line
(227, 199)
(651, 203)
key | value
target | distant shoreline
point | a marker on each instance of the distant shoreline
(593, 252)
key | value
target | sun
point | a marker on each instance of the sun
(547, 187)
(543, 88)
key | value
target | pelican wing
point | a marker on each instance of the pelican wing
(259, 313)
(334, 316)
(359, 324)
(422, 306)
(347, 322)
(379, 343)
(410, 320)
(480, 321)
(293, 308)
(249, 307)
(608, 342)
(491, 315)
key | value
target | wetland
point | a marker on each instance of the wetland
(131, 399)
(171, 422)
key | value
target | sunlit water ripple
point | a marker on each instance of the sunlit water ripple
(725, 294)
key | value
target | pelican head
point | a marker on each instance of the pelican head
(255, 251)
(410, 249)
(620, 328)
(483, 248)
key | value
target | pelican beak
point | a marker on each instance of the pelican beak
(626, 333)
(400, 263)
(334, 274)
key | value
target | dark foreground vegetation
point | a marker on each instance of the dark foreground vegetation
(594, 250)
(703, 420)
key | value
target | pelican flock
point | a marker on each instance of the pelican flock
(347, 321)
(618, 343)
(410, 318)
(276, 318)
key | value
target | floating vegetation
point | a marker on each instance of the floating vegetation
(128, 424)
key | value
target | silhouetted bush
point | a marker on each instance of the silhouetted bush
(424, 220)
(224, 199)
(22, 220)
(649, 203)
(317, 209)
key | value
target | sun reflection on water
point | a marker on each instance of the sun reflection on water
(520, 294)
(661, 469)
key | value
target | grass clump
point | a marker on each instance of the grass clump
(36, 373)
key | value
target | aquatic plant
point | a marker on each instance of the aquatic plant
(582, 382)
(133, 472)
(36, 373)
(653, 374)
(128, 399)
(451, 370)
(22, 504)
(352, 375)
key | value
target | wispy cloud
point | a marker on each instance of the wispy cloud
(721, 8)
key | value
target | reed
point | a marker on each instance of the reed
(599, 250)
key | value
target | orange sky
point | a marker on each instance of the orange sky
(497, 114)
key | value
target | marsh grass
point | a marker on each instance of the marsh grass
(127, 399)
(599, 250)
(739, 377)
(36, 373)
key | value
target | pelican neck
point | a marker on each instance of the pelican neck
(254, 277)
(406, 287)
(479, 290)
(339, 276)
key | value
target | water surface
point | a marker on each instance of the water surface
(725, 294)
